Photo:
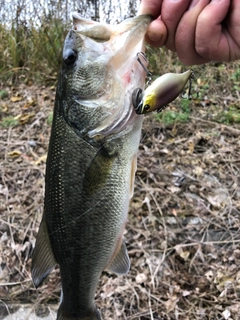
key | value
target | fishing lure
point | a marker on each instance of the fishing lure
(161, 92)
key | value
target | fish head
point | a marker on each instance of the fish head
(100, 71)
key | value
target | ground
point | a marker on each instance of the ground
(183, 227)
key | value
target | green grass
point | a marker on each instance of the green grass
(236, 75)
(3, 94)
(10, 121)
(230, 116)
(50, 118)
(31, 54)
(169, 117)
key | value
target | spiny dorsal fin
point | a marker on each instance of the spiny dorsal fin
(43, 260)
(120, 262)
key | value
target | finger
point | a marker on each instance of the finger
(211, 41)
(171, 13)
(233, 25)
(157, 33)
(185, 34)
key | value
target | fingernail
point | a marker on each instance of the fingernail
(193, 4)
(154, 36)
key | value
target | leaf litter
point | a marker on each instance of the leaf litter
(183, 226)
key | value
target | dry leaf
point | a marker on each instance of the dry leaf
(46, 97)
(14, 154)
(29, 104)
(170, 304)
(25, 118)
(226, 314)
(219, 199)
(174, 189)
(41, 159)
(191, 146)
(183, 254)
(141, 277)
(225, 283)
(4, 107)
(16, 98)
(198, 171)
(186, 293)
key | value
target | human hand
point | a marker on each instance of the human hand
(198, 30)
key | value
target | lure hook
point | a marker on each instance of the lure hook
(149, 74)
(189, 95)
(161, 109)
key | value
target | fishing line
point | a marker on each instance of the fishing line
(81, 215)
(93, 206)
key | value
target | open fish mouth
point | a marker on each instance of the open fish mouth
(121, 116)
(112, 51)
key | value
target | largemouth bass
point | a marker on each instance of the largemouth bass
(91, 161)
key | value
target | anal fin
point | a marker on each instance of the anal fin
(120, 262)
(43, 260)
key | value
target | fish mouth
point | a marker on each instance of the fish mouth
(116, 122)
(117, 115)
(115, 108)
(124, 73)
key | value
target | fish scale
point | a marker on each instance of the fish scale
(73, 232)
(91, 162)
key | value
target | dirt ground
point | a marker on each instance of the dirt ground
(183, 227)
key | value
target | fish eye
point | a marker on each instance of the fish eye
(146, 107)
(70, 56)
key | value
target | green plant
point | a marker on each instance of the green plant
(9, 122)
(50, 118)
(236, 75)
(228, 117)
(30, 53)
(3, 94)
(185, 105)
(170, 117)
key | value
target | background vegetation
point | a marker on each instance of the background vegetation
(32, 33)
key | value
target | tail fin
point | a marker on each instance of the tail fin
(91, 315)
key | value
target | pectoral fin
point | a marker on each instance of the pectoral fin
(43, 260)
(120, 262)
(98, 172)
